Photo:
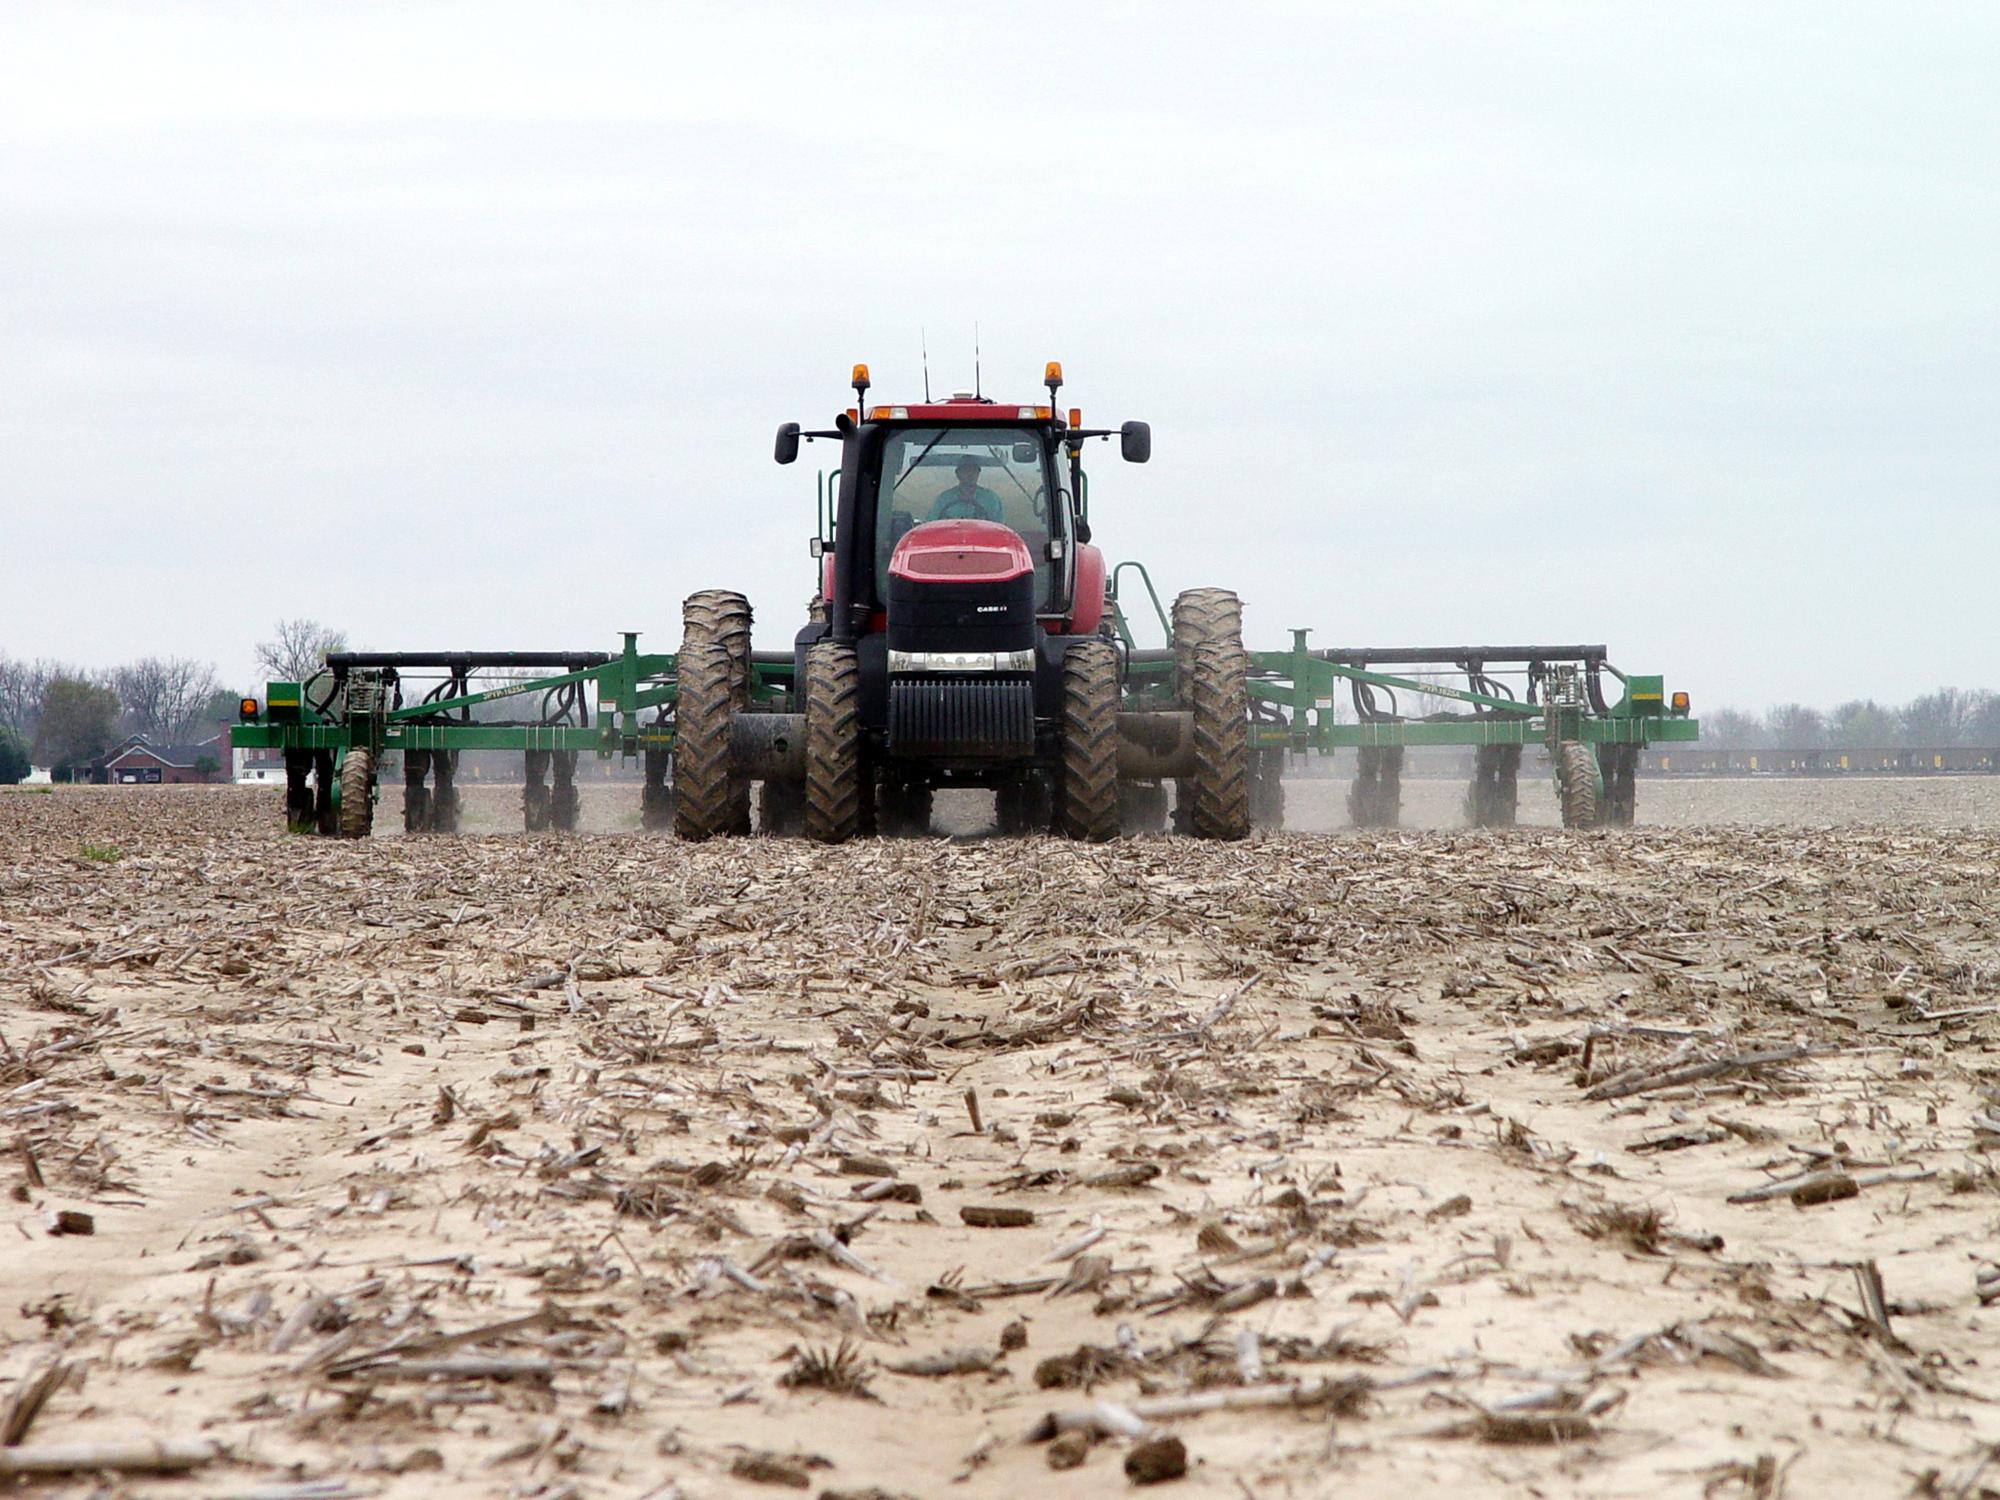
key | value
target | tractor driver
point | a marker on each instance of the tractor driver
(968, 500)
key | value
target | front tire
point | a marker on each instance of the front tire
(834, 789)
(704, 790)
(1089, 793)
(721, 617)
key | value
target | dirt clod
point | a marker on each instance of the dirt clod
(1157, 1460)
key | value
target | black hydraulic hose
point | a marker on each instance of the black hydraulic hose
(1594, 690)
(319, 706)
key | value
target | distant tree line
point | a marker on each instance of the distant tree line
(65, 717)
(1947, 717)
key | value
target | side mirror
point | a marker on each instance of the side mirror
(1135, 442)
(788, 443)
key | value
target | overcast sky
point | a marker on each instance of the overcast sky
(467, 326)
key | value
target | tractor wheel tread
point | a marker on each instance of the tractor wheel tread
(834, 789)
(704, 789)
(1219, 698)
(357, 786)
(1202, 617)
(722, 617)
(1089, 794)
(1576, 785)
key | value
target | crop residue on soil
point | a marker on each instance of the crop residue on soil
(1649, 1163)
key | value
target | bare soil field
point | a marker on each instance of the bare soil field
(1641, 1163)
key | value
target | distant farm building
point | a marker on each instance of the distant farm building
(139, 762)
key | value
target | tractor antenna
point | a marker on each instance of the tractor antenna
(976, 392)
(923, 343)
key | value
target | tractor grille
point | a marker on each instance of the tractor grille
(985, 718)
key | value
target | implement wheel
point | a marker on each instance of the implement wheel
(721, 617)
(1577, 785)
(357, 794)
(836, 790)
(1089, 781)
(705, 791)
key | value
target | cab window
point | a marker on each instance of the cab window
(969, 473)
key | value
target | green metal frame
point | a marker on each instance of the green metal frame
(1291, 694)
(625, 687)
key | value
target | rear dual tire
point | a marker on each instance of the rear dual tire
(836, 800)
(705, 790)
(708, 798)
(721, 617)
(1212, 681)
(1089, 781)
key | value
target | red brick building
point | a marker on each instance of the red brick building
(139, 762)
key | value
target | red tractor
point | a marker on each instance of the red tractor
(960, 638)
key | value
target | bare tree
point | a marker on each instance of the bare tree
(1732, 729)
(299, 650)
(165, 698)
(1793, 726)
(1983, 724)
(79, 723)
(23, 686)
(1862, 724)
(1939, 718)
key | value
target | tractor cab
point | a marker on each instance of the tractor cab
(1009, 478)
(947, 472)
(963, 608)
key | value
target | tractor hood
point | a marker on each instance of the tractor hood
(960, 552)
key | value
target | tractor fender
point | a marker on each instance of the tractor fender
(1087, 613)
